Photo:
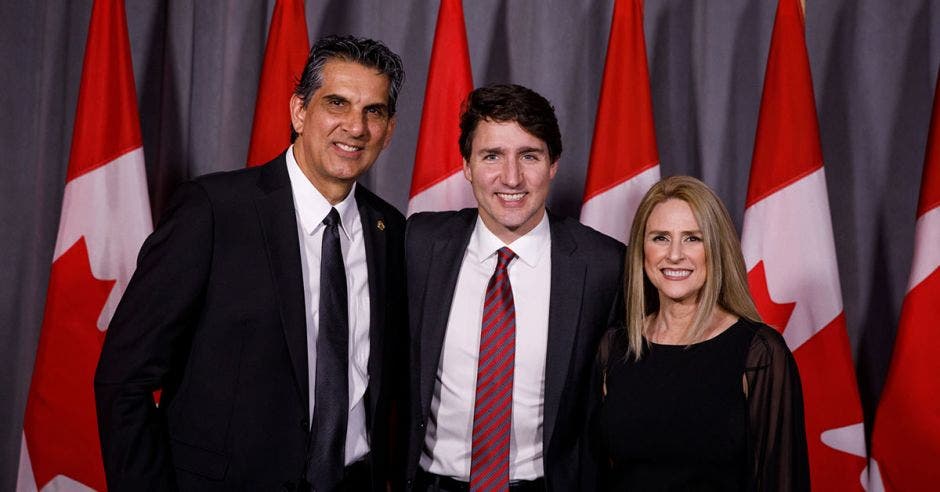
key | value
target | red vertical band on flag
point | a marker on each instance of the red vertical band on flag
(624, 143)
(906, 437)
(105, 217)
(787, 146)
(60, 424)
(284, 57)
(449, 81)
(106, 118)
(930, 183)
(790, 252)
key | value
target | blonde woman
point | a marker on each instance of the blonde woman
(698, 394)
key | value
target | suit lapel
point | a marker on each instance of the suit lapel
(375, 243)
(567, 288)
(279, 226)
(443, 268)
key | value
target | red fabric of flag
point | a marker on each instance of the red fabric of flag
(624, 161)
(284, 57)
(105, 218)
(906, 437)
(436, 182)
(789, 251)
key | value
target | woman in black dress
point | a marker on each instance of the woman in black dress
(697, 393)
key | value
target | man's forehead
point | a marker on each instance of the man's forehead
(490, 132)
(341, 76)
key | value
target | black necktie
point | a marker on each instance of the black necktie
(331, 388)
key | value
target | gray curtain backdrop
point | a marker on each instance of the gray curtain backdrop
(197, 63)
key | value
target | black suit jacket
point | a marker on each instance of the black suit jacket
(586, 281)
(214, 316)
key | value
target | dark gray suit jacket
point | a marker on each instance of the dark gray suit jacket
(587, 277)
(214, 316)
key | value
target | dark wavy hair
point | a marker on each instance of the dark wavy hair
(509, 102)
(366, 52)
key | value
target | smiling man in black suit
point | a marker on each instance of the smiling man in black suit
(507, 303)
(265, 306)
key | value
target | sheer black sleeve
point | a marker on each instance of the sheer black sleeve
(613, 345)
(776, 434)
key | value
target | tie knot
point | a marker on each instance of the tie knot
(503, 256)
(332, 218)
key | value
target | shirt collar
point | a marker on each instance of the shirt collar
(312, 207)
(529, 248)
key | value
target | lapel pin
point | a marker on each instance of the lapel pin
(380, 225)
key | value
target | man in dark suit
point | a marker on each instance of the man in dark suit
(263, 307)
(507, 303)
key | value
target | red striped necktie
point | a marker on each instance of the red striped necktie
(492, 412)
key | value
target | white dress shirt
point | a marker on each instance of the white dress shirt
(312, 208)
(450, 431)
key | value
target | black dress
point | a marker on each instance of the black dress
(679, 419)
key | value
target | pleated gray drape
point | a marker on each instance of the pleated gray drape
(197, 63)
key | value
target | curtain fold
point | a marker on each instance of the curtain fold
(196, 66)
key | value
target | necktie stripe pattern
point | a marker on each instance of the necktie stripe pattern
(331, 389)
(492, 414)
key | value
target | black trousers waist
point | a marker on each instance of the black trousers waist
(430, 482)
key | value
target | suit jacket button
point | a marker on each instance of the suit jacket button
(305, 425)
(421, 426)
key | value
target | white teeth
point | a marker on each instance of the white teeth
(511, 197)
(676, 274)
(348, 148)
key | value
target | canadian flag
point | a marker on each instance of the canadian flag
(906, 438)
(624, 162)
(284, 57)
(790, 256)
(105, 218)
(437, 182)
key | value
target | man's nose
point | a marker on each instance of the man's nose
(512, 172)
(355, 124)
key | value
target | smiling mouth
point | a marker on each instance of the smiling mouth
(511, 197)
(347, 147)
(673, 274)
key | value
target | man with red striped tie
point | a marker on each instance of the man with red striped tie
(507, 303)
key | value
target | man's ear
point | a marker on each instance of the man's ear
(466, 171)
(297, 113)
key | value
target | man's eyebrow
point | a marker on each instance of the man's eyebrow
(492, 150)
(335, 97)
(530, 150)
(382, 106)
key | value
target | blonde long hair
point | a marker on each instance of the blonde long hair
(725, 279)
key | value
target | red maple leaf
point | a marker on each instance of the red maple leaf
(60, 425)
(774, 314)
